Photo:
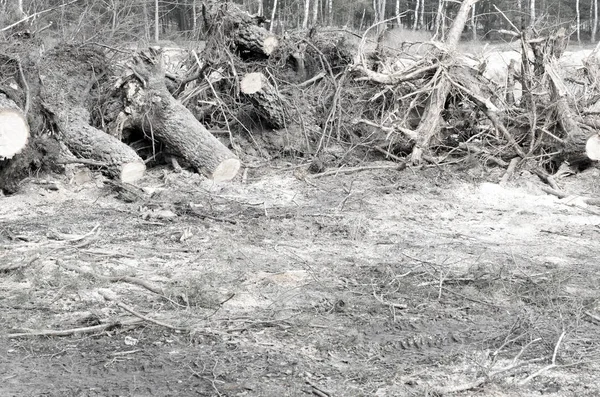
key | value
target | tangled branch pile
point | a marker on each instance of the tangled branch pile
(243, 93)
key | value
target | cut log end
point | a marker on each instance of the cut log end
(251, 83)
(592, 148)
(270, 44)
(14, 132)
(132, 172)
(227, 170)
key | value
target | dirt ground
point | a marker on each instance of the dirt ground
(377, 283)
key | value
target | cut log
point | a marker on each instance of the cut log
(592, 147)
(162, 117)
(120, 161)
(67, 78)
(265, 98)
(256, 39)
(14, 130)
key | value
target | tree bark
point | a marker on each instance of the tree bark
(162, 117)
(578, 16)
(306, 12)
(273, 13)
(595, 23)
(265, 97)
(416, 17)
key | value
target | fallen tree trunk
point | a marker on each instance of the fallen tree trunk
(87, 142)
(69, 74)
(265, 98)
(162, 117)
(14, 130)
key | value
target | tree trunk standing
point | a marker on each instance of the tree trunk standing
(595, 22)
(439, 16)
(330, 11)
(306, 13)
(315, 15)
(474, 23)
(156, 21)
(380, 15)
(521, 17)
(194, 19)
(273, 13)
(531, 13)
(261, 7)
(398, 16)
(416, 18)
(422, 16)
(430, 122)
(578, 16)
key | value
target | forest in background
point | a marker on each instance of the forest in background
(153, 20)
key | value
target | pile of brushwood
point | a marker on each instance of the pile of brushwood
(243, 96)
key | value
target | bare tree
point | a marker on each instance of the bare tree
(531, 12)
(306, 12)
(398, 16)
(416, 20)
(578, 15)
(330, 12)
(273, 12)
(439, 16)
(474, 22)
(315, 15)
(595, 23)
(156, 20)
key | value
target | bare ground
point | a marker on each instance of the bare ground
(380, 283)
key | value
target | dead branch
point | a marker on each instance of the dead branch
(114, 279)
(75, 331)
(350, 170)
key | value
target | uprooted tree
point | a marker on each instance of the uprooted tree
(243, 94)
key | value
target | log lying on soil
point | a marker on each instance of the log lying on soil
(121, 161)
(14, 130)
(162, 117)
(265, 98)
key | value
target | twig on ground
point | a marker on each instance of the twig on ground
(75, 331)
(114, 279)
(560, 194)
(137, 314)
(548, 367)
(593, 317)
(317, 390)
(350, 170)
